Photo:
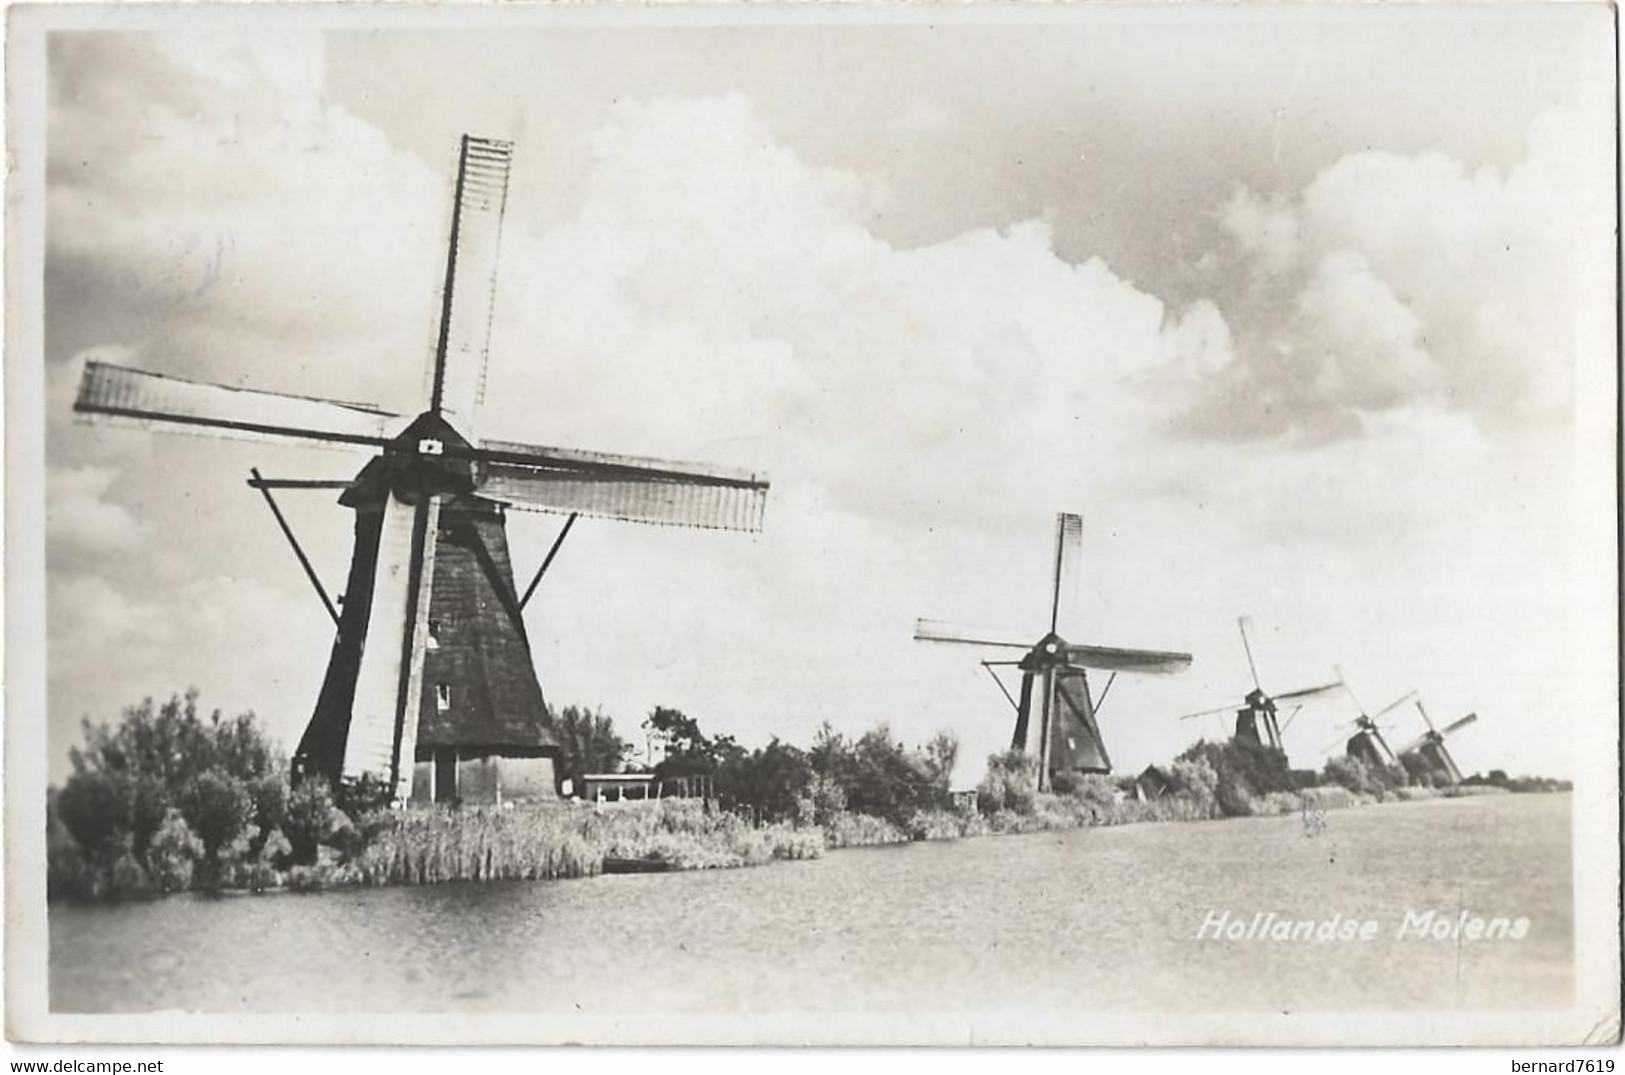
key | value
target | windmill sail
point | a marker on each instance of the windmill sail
(1309, 692)
(1393, 705)
(1417, 744)
(463, 348)
(630, 488)
(942, 631)
(122, 395)
(1067, 591)
(382, 735)
(1457, 725)
(1247, 647)
(1140, 661)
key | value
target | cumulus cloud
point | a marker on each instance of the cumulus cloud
(321, 287)
(1398, 280)
(710, 265)
(80, 518)
(1264, 231)
(89, 615)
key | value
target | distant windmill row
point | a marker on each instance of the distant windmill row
(431, 689)
(1055, 689)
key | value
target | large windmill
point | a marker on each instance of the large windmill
(1258, 719)
(430, 688)
(1427, 753)
(1054, 680)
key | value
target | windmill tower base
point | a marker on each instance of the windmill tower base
(1364, 746)
(478, 779)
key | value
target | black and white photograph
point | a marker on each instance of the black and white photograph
(813, 524)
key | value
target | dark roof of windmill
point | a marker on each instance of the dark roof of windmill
(480, 649)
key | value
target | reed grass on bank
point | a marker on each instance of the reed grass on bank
(557, 841)
(568, 840)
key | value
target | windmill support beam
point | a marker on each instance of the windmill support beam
(1006, 690)
(304, 561)
(298, 483)
(547, 561)
(1107, 689)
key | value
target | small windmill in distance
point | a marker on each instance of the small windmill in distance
(1257, 720)
(1054, 670)
(1427, 753)
(1367, 743)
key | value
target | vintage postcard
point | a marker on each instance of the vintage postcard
(812, 524)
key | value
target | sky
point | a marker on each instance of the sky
(1290, 305)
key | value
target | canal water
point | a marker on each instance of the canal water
(1088, 920)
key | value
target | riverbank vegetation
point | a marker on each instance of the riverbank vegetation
(169, 801)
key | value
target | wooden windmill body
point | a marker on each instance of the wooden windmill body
(1427, 754)
(1055, 704)
(1258, 720)
(431, 689)
(1368, 743)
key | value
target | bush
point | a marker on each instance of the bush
(174, 854)
(1242, 770)
(769, 782)
(862, 830)
(92, 808)
(1354, 774)
(1097, 791)
(309, 819)
(127, 780)
(1332, 798)
(886, 780)
(270, 794)
(1277, 803)
(1195, 781)
(368, 795)
(938, 825)
(67, 871)
(1010, 785)
(791, 843)
(821, 803)
(128, 880)
(219, 810)
(275, 845)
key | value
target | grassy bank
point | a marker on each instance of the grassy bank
(169, 801)
(569, 840)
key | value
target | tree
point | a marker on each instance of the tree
(174, 855)
(689, 751)
(218, 809)
(886, 780)
(310, 818)
(144, 791)
(1244, 769)
(93, 808)
(770, 781)
(940, 754)
(1011, 783)
(172, 744)
(588, 743)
